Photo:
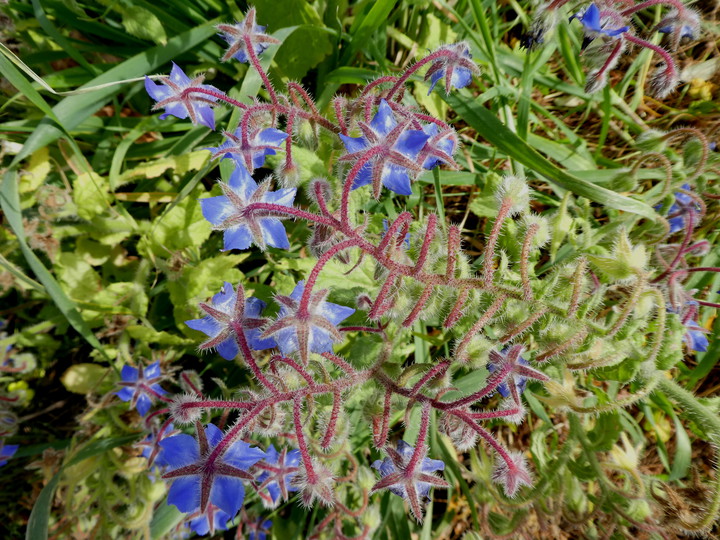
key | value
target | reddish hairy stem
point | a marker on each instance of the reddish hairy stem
(321, 262)
(302, 444)
(489, 251)
(420, 449)
(250, 51)
(330, 433)
(649, 3)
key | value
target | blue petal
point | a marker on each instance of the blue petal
(287, 340)
(228, 494)
(298, 290)
(238, 237)
(254, 307)
(178, 110)
(616, 31)
(271, 455)
(364, 177)
(271, 136)
(129, 373)
(404, 449)
(242, 455)
(143, 404)
(354, 144)
(178, 76)
(397, 179)
(383, 121)
(152, 371)
(214, 435)
(228, 349)
(461, 77)
(429, 465)
(676, 224)
(158, 389)
(334, 312)
(156, 91)
(126, 393)
(206, 116)
(185, 493)
(216, 209)
(225, 299)
(274, 233)
(180, 450)
(320, 340)
(411, 142)
(207, 325)
(241, 182)
(285, 196)
(591, 18)
(256, 343)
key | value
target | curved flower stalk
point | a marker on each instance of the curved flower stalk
(507, 325)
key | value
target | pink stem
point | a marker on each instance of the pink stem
(648, 3)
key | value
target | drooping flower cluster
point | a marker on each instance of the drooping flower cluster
(609, 32)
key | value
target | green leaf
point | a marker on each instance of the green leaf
(307, 46)
(489, 127)
(37, 528)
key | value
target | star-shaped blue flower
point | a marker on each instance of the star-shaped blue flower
(678, 212)
(250, 151)
(229, 313)
(394, 148)
(198, 479)
(239, 35)
(279, 468)
(517, 373)
(412, 485)
(312, 331)
(7, 451)
(455, 66)
(593, 24)
(244, 226)
(172, 96)
(140, 386)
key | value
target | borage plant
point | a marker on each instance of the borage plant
(331, 360)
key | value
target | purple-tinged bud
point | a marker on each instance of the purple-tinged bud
(512, 472)
(462, 435)
(663, 81)
(517, 191)
(315, 486)
(181, 413)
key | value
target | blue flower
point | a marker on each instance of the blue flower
(250, 151)
(238, 36)
(695, 336)
(7, 451)
(259, 529)
(680, 209)
(140, 386)
(198, 479)
(517, 371)
(594, 25)
(279, 468)
(392, 150)
(244, 226)
(412, 485)
(454, 64)
(172, 96)
(311, 331)
(229, 312)
(150, 445)
(213, 519)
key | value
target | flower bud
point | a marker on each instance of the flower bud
(516, 190)
(542, 226)
(181, 413)
(652, 140)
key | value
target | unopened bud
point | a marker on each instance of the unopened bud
(516, 190)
